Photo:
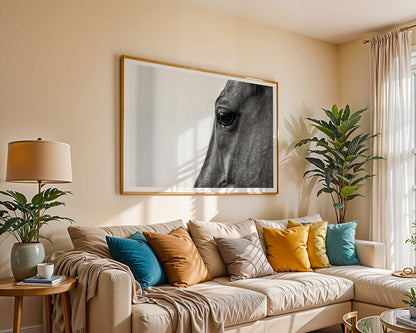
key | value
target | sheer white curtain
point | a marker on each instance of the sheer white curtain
(392, 197)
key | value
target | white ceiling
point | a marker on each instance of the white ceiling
(334, 21)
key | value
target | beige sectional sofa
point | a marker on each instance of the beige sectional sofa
(283, 302)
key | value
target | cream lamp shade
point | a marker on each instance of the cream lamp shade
(38, 161)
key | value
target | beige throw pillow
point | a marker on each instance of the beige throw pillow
(203, 234)
(92, 239)
(244, 257)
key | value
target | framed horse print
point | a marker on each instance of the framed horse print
(193, 131)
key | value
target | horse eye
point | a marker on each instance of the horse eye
(225, 118)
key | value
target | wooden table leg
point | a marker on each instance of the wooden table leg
(48, 313)
(66, 312)
(17, 322)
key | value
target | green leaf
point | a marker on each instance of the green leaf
(9, 205)
(302, 142)
(335, 111)
(338, 205)
(317, 162)
(325, 190)
(326, 131)
(332, 116)
(346, 112)
(328, 176)
(351, 158)
(353, 196)
(318, 171)
(348, 191)
(37, 199)
(19, 197)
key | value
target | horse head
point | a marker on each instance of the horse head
(240, 152)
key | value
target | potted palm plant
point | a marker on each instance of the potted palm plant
(339, 156)
(23, 219)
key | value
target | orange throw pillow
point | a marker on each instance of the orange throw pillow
(286, 249)
(179, 257)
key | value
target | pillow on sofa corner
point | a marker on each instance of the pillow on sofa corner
(244, 257)
(316, 242)
(287, 249)
(179, 257)
(136, 253)
(340, 244)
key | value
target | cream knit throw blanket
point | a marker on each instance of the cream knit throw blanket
(86, 268)
(190, 311)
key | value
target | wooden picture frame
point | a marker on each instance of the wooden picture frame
(192, 131)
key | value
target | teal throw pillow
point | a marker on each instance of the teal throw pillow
(340, 244)
(136, 253)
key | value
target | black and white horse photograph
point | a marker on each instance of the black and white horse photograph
(194, 131)
(240, 151)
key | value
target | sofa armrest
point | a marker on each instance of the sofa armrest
(371, 254)
(109, 311)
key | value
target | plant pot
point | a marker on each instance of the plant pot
(412, 310)
(24, 258)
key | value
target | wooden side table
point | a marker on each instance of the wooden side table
(9, 288)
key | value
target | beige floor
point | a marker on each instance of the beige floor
(332, 329)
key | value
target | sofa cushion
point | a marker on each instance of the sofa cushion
(136, 253)
(294, 291)
(281, 224)
(340, 244)
(287, 249)
(243, 257)
(235, 304)
(373, 285)
(92, 239)
(316, 242)
(179, 257)
(203, 234)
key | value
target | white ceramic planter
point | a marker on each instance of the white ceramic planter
(24, 258)
(412, 310)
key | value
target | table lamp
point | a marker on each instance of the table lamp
(38, 161)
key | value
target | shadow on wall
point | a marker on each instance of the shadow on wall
(294, 164)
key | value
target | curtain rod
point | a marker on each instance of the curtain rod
(402, 29)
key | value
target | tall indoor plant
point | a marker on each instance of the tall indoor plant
(23, 219)
(339, 156)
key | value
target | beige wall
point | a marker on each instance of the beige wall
(59, 80)
(354, 89)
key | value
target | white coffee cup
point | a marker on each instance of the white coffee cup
(45, 270)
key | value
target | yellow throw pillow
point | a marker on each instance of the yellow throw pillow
(316, 243)
(179, 257)
(286, 249)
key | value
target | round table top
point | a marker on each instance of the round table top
(8, 287)
(369, 324)
(388, 319)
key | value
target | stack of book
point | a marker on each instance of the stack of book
(406, 320)
(38, 281)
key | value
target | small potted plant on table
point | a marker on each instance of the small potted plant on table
(411, 302)
(23, 220)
